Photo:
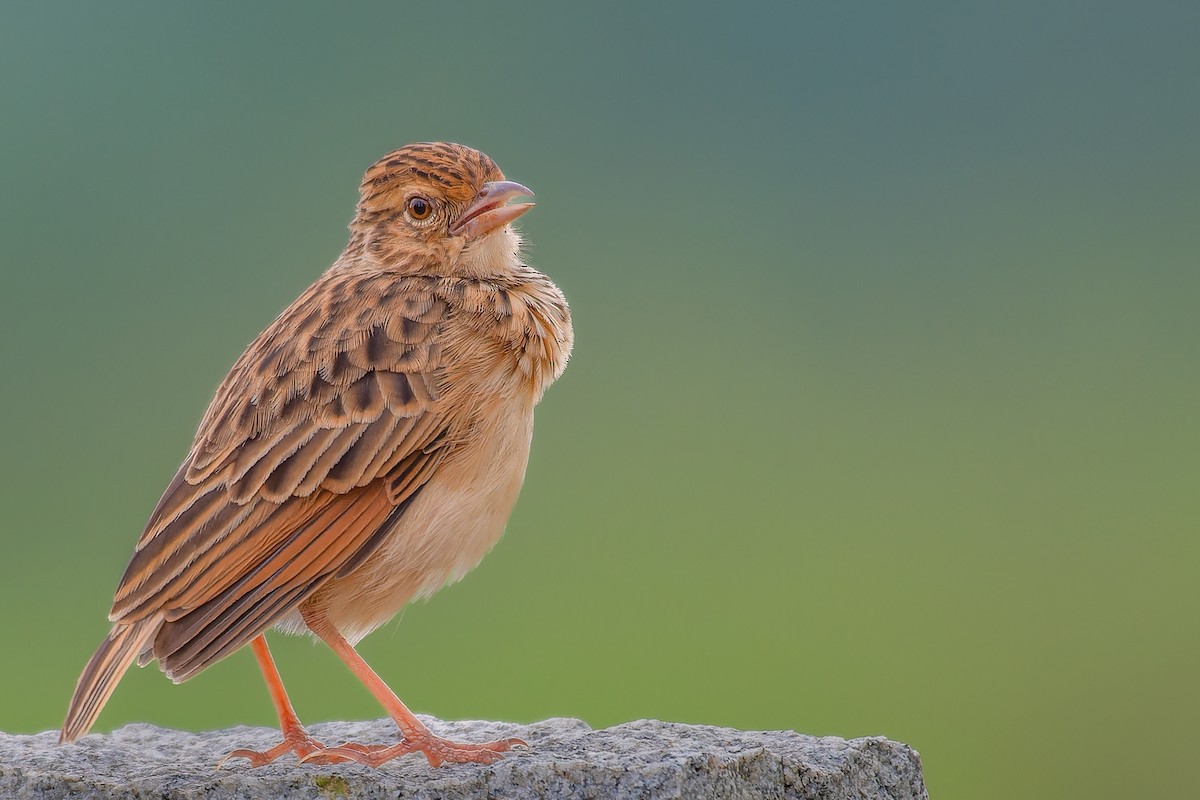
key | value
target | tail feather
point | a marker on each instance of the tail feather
(102, 673)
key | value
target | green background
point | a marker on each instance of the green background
(883, 413)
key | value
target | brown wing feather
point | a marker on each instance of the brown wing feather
(324, 430)
(330, 535)
(324, 534)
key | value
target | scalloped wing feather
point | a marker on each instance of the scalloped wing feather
(328, 423)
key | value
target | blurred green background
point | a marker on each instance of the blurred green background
(883, 413)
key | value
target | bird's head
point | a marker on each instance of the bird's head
(439, 207)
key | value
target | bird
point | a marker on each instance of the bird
(364, 450)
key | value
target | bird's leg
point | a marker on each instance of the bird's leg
(295, 738)
(417, 737)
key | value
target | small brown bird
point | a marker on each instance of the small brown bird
(365, 450)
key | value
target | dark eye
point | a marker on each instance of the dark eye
(419, 208)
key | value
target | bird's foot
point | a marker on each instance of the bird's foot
(307, 749)
(435, 748)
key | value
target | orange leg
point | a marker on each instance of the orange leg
(417, 737)
(295, 738)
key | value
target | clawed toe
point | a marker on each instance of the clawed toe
(436, 749)
(360, 748)
(307, 749)
(256, 758)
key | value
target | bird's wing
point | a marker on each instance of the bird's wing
(324, 431)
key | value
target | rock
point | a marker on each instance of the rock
(567, 759)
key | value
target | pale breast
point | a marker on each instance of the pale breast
(456, 518)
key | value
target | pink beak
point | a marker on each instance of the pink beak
(488, 211)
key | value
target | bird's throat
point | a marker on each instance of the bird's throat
(498, 253)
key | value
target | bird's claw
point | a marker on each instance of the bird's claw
(307, 749)
(435, 748)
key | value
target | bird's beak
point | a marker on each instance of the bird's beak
(488, 211)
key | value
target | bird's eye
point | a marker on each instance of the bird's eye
(419, 208)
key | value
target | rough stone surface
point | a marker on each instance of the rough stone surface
(567, 759)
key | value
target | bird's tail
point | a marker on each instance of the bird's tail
(102, 673)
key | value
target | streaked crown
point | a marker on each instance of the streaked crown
(453, 171)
